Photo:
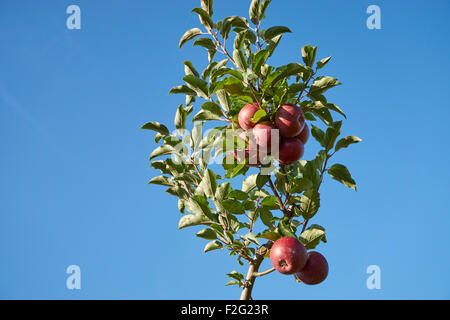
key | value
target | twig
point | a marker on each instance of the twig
(277, 196)
(263, 273)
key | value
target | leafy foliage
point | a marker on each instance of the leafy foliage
(280, 199)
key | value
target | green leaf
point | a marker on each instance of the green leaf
(199, 205)
(180, 118)
(189, 68)
(232, 282)
(233, 206)
(262, 9)
(309, 203)
(336, 109)
(238, 195)
(312, 236)
(273, 44)
(266, 216)
(270, 202)
(284, 72)
(222, 191)
(208, 185)
(236, 275)
(232, 85)
(189, 35)
(207, 233)
(323, 83)
(299, 185)
(259, 60)
(161, 180)
(207, 43)
(156, 126)
(323, 62)
(249, 183)
(161, 151)
(318, 134)
(324, 115)
(213, 108)
(270, 235)
(213, 245)
(340, 173)
(182, 89)
(189, 220)
(261, 180)
(258, 116)
(285, 229)
(196, 136)
(224, 99)
(204, 17)
(346, 141)
(253, 11)
(200, 86)
(252, 238)
(203, 115)
(239, 59)
(207, 5)
(332, 133)
(224, 71)
(272, 32)
(237, 170)
(309, 55)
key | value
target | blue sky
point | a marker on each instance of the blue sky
(74, 164)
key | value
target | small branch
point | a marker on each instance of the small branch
(253, 220)
(303, 89)
(187, 188)
(196, 168)
(263, 273)
(277, 196)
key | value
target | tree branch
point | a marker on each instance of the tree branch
(263, 273)
(277, 196)
(253, 270)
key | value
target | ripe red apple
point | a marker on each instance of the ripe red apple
(247, 112)
(315, 270)
(288, 255)
(290, 150)
(261, 135)
(304, 135)
(290, 120)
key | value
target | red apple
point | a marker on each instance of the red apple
(290, 120)
(290, 151)
(288, 255)
(247, 112)
(315, 270)
(261, 135)
(304, 135)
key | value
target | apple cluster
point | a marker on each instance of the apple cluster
(289, 256)
(293, 133)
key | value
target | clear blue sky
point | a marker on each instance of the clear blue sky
(74, 164)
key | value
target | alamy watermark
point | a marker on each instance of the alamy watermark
(74, 280)
(74, 20)
(374, 280)
(374, 20)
